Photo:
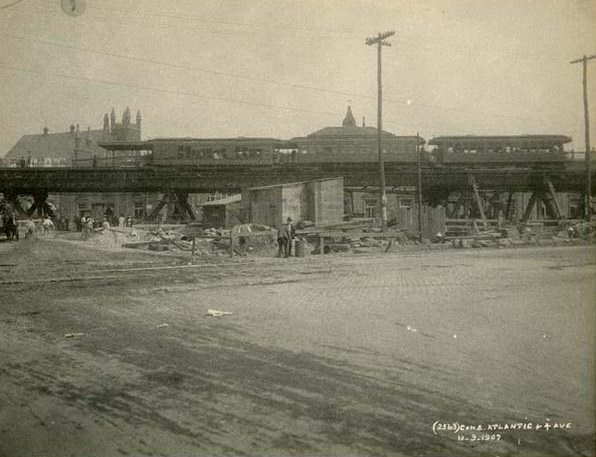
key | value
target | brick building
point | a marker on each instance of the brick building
(79, 148)
(74, 147)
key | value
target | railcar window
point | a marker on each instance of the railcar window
(254, 153)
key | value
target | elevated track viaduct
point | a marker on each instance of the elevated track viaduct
(543, 181)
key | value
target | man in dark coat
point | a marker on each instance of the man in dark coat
(283, 236)
(292, 232)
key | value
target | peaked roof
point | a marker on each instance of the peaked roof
(349, 120)
(349, 129)
(57, 145)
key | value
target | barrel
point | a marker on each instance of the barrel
(299, 248)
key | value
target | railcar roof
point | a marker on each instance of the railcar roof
(512, 139)
(125, 145)
(233, 140)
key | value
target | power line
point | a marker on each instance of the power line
(11, 4)
(185, 67)
(163, 90)
(262, 80)
(284, 27)
(265, 28)
(398, 126)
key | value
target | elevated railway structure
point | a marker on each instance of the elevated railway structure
(543, 181)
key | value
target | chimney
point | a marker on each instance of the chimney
(45, 130)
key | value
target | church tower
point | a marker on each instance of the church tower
(112, 120)
(106, 123)
(126, 130)
(349, 120)
(126, 116)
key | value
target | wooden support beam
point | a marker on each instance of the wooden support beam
(478, 201)
(530, 207)
(553, 200)
(182, 202)
(32, 209)
(158, 208)
(508, 214)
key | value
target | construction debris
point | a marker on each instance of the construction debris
(217, 313)
(356, 236)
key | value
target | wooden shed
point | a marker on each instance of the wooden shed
(320, 201)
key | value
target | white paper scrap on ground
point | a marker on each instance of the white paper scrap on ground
(217, 313)
(162, 325)
(72, 335)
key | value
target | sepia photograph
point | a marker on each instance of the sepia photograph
(323, 228)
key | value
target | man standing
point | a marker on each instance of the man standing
(283, 236)
(47, 225)
(30, 229)
(292, 235)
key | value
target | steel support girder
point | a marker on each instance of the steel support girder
(178, 207)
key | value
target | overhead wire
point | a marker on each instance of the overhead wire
(258, 27)
(159, 89)
(202, 19)
(257, 79)
(251, 78)
(396, 126)
(182, 66)
(11, 4)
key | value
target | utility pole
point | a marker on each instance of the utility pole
(419, 186)
(588, 197)
(379, 40)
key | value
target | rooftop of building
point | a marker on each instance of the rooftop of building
(61, 145)
(351, 130)
(56, 145)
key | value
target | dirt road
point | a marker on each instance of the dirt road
(109, 354)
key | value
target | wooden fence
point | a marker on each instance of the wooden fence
(433, 221)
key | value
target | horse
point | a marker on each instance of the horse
(10, 227)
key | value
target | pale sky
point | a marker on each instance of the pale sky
(281, 69)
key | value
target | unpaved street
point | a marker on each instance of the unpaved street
(105, 354)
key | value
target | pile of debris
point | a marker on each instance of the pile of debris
(254, 238)
(358, 235)
(528, 234)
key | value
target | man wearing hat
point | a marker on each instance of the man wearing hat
(292, 235)
(283, 236)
